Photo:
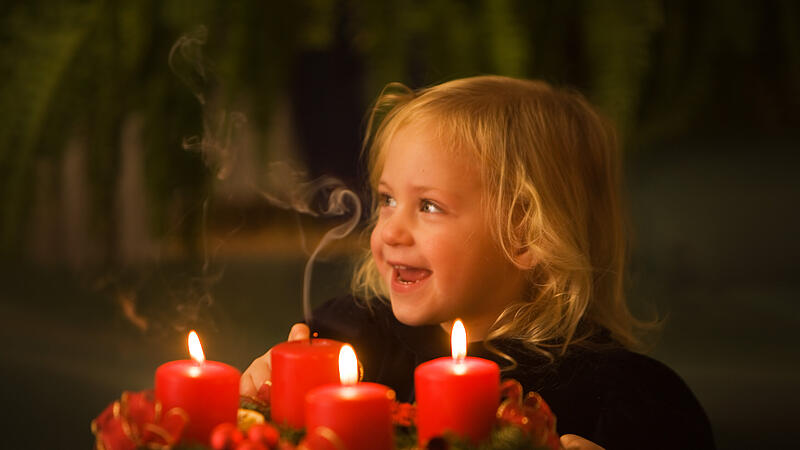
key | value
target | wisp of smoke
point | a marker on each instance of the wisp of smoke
(298, 195)
(127, 302)
(191, 67)
(283, 186)
(337, 205)
(219, 126)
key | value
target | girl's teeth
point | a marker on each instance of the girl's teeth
(408, 275)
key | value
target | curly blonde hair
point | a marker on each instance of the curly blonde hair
(551, 167)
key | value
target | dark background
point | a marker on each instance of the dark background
(132, 182)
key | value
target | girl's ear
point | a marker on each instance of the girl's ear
(525, 258)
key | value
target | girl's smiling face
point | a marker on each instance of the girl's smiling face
(432, 244)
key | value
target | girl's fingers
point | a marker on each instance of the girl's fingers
(260, 371)
(247, 386)
(299, 332)
(575, 442)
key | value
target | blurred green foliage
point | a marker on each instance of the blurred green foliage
(78, 69)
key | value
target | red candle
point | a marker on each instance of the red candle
(208, 391)
(459, 395)
(298, 367)
(351, 415)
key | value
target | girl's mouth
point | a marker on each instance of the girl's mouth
(405, 278)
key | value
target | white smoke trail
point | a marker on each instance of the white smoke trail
(188, 63)
(288, 190)
(337, 205)
(283, 186)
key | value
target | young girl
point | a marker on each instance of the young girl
(497, 202)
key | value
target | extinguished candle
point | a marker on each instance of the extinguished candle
(458, 395)
(351, 415)
(298, 367)
(208, 391)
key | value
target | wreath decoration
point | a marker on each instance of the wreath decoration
(137, 421)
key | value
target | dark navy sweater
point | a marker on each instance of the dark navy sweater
(614, 397)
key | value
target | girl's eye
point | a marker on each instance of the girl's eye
(430, 207)
(386, 200)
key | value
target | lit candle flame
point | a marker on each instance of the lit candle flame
(458, 341)
(348, 365)
(195, 349)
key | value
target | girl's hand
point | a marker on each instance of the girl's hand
(260, 370)
(575, 442)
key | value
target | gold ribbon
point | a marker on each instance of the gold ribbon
(326, 434)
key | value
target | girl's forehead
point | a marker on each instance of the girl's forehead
(426, 141)
(435, 136)
(417, 157)
(423, 140)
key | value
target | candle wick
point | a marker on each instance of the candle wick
(459, 367)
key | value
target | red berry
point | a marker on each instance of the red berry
(225, 436)
(265, 434)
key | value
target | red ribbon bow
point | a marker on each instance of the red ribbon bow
(532, 415)
(404, 414)
(137, 421)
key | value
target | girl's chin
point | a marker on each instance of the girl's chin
(408, 315)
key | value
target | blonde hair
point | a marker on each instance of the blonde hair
(551, 166)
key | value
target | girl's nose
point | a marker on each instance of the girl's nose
(395, 231)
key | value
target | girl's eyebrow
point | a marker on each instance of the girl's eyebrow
(422, 189)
